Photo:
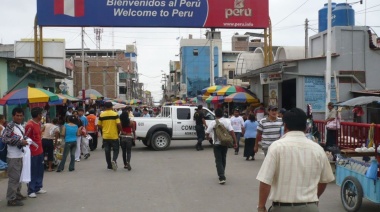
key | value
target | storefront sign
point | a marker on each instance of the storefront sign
(315, 93)
(270, 77)
(252, 14)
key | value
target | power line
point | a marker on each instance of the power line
(291, 13)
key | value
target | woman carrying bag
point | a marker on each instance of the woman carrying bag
(127, 137)
(70, 131)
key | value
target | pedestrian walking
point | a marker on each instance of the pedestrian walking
(14, 137)
(33, 131)
(250, 144)
(289, 159)
(331, 132)
(50, 135)
(259, 112)
(70, 131)
(200, 124)
(82, 141)
(92, 129)
(237, 123)
(269, 129)
(126, 138)
(109, 122)
(220, 152)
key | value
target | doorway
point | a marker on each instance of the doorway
(289, 94)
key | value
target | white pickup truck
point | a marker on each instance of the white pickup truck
(174, 122)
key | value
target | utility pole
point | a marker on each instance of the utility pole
(211, 38)
(164, 79)
(83, 75)
(306, 37)
(98, 36)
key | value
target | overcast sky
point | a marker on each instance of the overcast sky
(157, 46)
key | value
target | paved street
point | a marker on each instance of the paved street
(179, 179)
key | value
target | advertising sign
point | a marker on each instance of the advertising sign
(270, 77)
(315, 92)
(253, 14)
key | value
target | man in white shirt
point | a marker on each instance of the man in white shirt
(14, 137)
(237, 123)
(295, 171)
(220, 152)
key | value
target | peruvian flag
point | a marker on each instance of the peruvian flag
(74, 8)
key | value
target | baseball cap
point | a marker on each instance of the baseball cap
(200, 107)
(272, 107)
(282, 110)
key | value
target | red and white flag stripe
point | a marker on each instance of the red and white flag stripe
(74, 8)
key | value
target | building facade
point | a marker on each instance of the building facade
(297, 82)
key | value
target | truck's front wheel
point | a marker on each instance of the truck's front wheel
(160, 140)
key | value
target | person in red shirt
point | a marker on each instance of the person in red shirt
(34, 132)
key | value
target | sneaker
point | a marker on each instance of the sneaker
(77, 160)
(236, 153)
(114, 165)
(86, 156)
(41, 191)
(32, 195)
(222, 181)
(15, 203)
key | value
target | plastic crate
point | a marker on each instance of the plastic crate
(371, 188)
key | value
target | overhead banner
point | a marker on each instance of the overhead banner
(253, 14)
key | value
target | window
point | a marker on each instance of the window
(183, 113)
(195, 52)
(230, 74)
(208, 115)
(122, 90)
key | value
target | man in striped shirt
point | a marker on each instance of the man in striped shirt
(269, 129)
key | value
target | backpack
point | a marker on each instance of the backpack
(222, 134)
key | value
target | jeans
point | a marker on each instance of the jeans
(299, 208)
(94, 141)
(200, 130)
(69, 147)
(126, 147)
(108, 144)
(220, 153)
(14, 174)
(36, 173)
(238, 136)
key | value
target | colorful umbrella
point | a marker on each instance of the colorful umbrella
(241, 97)
(135, 101)
(194, 100)
(215, 99)
(29, 95)
(230, 89)
(207, 91)
(121, 101)
(91, 94)
(65, 98)
(179, 102)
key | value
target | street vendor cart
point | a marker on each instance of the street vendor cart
(352, 173)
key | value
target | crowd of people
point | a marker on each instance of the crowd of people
(289, 155)
(29, 145)
(280, 132)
